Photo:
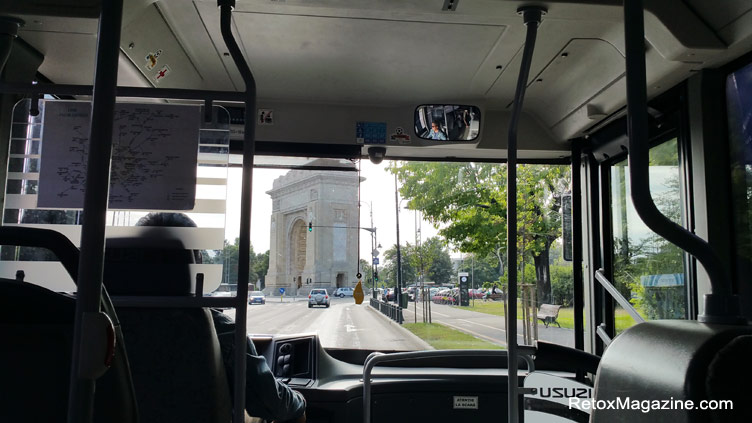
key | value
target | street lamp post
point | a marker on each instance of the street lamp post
(372, 230)
(398, 290)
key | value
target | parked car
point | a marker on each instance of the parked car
(343, 292)
(222, 294)
(256, 297)
(318, 296)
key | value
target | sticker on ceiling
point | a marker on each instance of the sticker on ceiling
(399, 136)
(265, 117)
(370, 132)
(162, 74)
(152, 59)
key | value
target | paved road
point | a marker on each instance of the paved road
(343, 325)
(485, 326)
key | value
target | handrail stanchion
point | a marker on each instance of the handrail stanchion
(623, 302)
(244, 244)
(721, 306)
(89, 281)
(532, 18)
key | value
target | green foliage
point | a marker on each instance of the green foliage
(228, 257)
(430, 258)
(483, 269)
(468, 203)
(562, 285)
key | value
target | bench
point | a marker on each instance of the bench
(548, 313)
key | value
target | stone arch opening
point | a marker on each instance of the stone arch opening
(298, 249)
(341, 280)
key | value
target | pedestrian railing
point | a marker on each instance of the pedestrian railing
(391, 310)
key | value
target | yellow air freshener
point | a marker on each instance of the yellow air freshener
(358, 293)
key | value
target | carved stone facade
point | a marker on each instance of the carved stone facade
(326, 257)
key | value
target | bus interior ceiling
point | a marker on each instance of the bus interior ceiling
(323, 66)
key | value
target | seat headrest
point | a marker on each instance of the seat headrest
(147, 266)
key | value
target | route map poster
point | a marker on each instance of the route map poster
(154, 156)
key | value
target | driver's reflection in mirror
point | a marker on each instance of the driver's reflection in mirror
(265, 397)
(436, 133)
(447, 122)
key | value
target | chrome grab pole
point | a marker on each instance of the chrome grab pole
(90, 269)
(532, 17)
(244, 244)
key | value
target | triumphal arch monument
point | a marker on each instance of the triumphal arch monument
(324, 255)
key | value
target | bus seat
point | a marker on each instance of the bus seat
(675, 360)
(36, 328)
(174, 353)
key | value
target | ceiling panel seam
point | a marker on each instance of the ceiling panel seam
(559, 53)
(177, 39)
(216, 49)
(504, 69)
(494, 25)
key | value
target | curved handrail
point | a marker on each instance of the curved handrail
(48, 239)
(721, 306)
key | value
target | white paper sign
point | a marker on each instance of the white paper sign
(154, 156)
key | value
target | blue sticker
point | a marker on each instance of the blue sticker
(370, 132)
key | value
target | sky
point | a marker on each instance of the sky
(377, 192)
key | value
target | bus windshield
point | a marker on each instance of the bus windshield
(314, 228)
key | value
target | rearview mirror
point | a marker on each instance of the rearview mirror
(442, 122)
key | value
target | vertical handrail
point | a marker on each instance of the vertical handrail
(89, 281)
(244, 244)
(721, 306)
(531, 16)
(577, 279)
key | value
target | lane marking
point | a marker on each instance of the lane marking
(481, 324)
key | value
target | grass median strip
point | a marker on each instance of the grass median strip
(443, 337)
(566, 315)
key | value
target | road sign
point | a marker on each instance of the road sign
(375, 252)
(464, 297)
(358, 275)
(375, 260)
(281, 291)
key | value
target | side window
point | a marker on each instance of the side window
(648, 270)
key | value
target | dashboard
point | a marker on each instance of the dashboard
(442, 389)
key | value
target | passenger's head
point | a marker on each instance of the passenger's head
(178, 220)
(166, 219)
(434, 127)
(154, 263)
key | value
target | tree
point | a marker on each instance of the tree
(431, 256)
(483, 269)
(468, 203)
(261, 268)
(441, 270)
(228, 257)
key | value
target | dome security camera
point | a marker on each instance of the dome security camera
(376, 154)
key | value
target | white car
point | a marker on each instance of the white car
(343, 292)
(318, 297)
(256, 297)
